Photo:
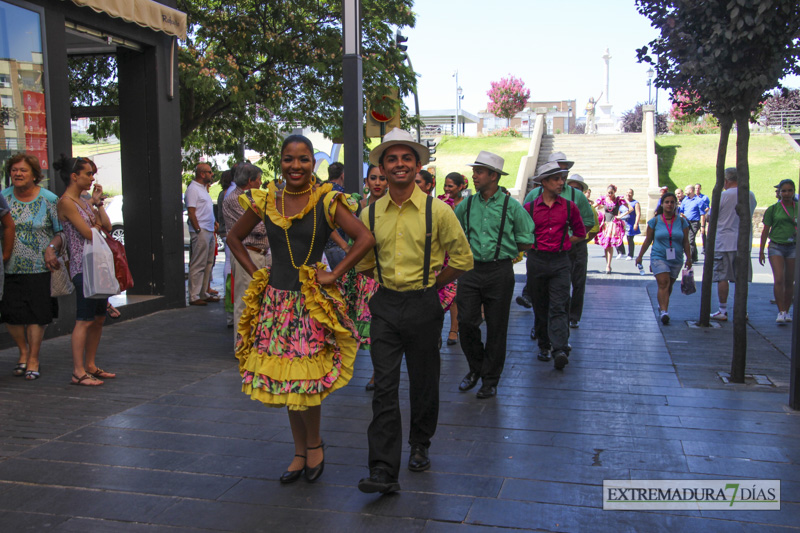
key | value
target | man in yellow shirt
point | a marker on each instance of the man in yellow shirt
(412, 232)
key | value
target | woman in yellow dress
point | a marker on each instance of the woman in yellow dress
(297, 342)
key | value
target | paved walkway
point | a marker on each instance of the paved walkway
(172, 445)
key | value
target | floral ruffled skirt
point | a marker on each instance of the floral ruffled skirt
(356, 290)
(296, 347)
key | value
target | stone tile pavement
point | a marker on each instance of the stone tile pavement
(172, 445)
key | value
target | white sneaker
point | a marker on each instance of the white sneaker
(787, 317)
(619, 256)
(720, 316)
(780, 319)
(628, 258)
(664, 317)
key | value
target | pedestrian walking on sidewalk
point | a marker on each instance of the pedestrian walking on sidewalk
(78, 217)
(693, 208)
(727, 243)
(549, 265)
(413, 231)
(669, 234)
(296, 344)
(497, 229)
(454, 185)
(780, 227)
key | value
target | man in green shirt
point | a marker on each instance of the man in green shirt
(497, 228)
(579, 253)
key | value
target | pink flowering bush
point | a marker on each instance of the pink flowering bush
(508, 97)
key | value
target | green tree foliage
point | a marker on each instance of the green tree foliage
(727, 53)
(252, 70)
(93, 82)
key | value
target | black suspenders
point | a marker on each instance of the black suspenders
(375, 248)
(428, 238)
(502, 224)
(502, 227)
(426, 264)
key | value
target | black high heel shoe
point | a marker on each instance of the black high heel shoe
(312, 474)
(290, 476)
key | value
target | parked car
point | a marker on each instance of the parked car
(114, 211)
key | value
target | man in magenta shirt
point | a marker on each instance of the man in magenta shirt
(557, 224)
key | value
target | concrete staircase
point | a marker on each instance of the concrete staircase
(620, 159)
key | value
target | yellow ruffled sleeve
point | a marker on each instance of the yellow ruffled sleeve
(258, 202)
(332, 200)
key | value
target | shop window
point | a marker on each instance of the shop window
(23, 73)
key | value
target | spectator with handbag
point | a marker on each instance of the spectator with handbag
(27, 307)
(78, 218)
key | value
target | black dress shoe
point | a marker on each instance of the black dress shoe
(378, 481)
(574, 324)
(290, 476)
(533, 334)
(312, 474)
(418, 460)
(524, 301)
(560, 360)
(486, 391)
(469, 381)
(544, 354)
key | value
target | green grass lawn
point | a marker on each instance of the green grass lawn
(689, 159)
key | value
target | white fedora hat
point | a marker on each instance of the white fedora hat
(547, 170)
(398, 136)
(560, 157)
(491, 161)
(577, 178)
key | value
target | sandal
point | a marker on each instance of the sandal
(450, 340)
(370, 386)
(101, 374)
(19, 370)
(31, 375)
(212, 292)
(112, 312)
(86, 380)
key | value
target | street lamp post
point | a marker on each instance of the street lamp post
(650, 73)
(352, 95)
(458, 101)
(458, 109)
(529, 122)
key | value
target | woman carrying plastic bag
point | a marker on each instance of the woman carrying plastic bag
(94, 274)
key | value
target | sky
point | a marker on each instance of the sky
(555, 47)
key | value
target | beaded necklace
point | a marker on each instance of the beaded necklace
(286, 229)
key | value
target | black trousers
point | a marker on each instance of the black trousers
(491, 286)
(579, 261)
(694, 227)
(407, 323)
(549, 280)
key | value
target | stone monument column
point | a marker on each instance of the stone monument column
(606, 121)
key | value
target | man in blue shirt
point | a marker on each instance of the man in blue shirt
(693, 208)
(704, 218)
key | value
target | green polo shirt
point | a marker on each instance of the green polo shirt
(484, 226)
(575, 196)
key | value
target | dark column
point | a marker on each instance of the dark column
(794, 373)
(151, 173)
(60, 138)
(352, 96)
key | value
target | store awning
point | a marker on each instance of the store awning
(146, 13)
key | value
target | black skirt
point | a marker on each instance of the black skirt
(26, 300)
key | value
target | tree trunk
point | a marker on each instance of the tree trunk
(744, 245)
(725, 124)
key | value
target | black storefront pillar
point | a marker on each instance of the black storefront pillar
(151, 174)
